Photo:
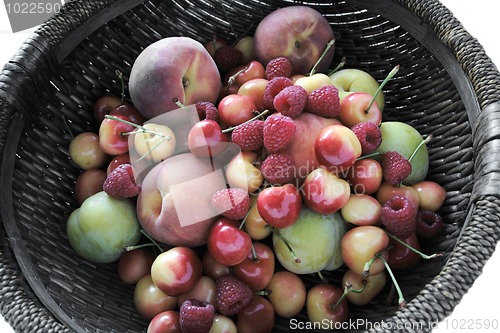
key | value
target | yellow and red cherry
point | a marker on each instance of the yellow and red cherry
(280, 206)
(361, 248)
(287, 293)
(227, 243)
(206, 139)
(322, 304)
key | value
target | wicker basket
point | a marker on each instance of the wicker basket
(447, 86)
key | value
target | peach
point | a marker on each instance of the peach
(299, 33)
(174, 205)
(173, 68)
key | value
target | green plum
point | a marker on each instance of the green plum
(103, 227)
(403, 138)
(315, 240)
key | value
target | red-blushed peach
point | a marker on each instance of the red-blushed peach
(173, 68)
(299, 33)
(174, 205)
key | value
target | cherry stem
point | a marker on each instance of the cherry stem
(423, 255)
(122, 82)
(328, 47)
(263, 292)
(151, 239)
(292, 252)
(381, 86)
(232, 78)
(401, 300)
(322, 277)
(229, 129)
(423, 142)
(140, 246)
(141, 129)
(255, 257)
(339, 66)
(178, 103)
(375, 153)
(348, 289)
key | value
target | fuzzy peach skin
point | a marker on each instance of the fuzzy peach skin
(174, 205)
(173, 68)
(299, 33)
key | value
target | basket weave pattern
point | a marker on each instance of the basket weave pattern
(446, 86)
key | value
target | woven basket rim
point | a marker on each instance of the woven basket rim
(475, 73)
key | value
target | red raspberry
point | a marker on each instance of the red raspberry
(273, 87)
(278, 169)
(232, 295)
(227, 58)
(278, 132)
(429, 224)
(399, 215)
(120, 183)
(369, 135)
(196, 316)
(324, 102)
(233, 202)
(280, 66)
(207, 110)
(395, 167)
(249, 136)
(291, 101)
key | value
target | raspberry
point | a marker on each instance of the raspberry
(273, 87)
(196, 316)
(399, 215)
(290, 101)
(280, 66)
(227, 58)
(369, 135)
(278, 132)
(324, 102)
(278, 169)
(395, 167)
(232, 295)
(233, 203)
(249, 136)
(120, 183)
(429, 224)
(207, 110)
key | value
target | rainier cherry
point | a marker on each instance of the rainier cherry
(280, 206)
(206, 139)
(228, 244)
(361, 247)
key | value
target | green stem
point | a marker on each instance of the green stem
(151, 239)
(376, 153)
(255, 257)
(292, 252)
(141, 129)
(423, 255)
(140, 246)
(254, 118)
(423, 142)
(322, 277)
(328, 47)
(246, 215)
(381, 86)
(401, 300)
(339, 66)
(348, 289)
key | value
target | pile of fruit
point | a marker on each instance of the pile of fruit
(239, 168)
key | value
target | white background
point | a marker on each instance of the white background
(478, 17)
